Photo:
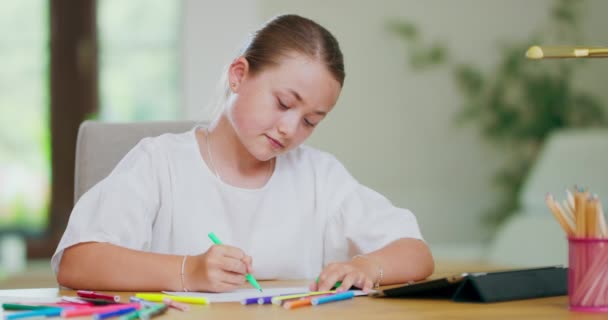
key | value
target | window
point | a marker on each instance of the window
(138, 59)
(24, 101)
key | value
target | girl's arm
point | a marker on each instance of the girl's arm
(103, 266)
(400, 261)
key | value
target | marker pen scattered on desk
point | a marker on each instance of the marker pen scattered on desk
(278, 300)
(148, 313)
(292, 304)
(332, 298)
(22, 307)
(96, 295)
(144, 303)
(158, 297)
(113, 313)
(248, 276)
(46, 312)
(265, 300)
(249, 301)
(268, 299)
(87, 311)
(75, 300)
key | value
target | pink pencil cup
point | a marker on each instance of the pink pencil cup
(588, 274)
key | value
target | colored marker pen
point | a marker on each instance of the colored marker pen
(148, 313)
(278, 300)
(47, 312)
(332, 298)
(250, 301)
(96, 295)
(112, 313)
(157, 297)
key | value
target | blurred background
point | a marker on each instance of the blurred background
(440, 111)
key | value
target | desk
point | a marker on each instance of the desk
(553, 308)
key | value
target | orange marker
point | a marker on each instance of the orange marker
(307, 301)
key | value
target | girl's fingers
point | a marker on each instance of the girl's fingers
(233, 265)
(233, 278)
(329, 277)
(367, 286)
(313, 286)
(248, 263)
(348, 281)
(234, 259)
(232, 252)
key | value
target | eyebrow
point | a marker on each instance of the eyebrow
(299, 98)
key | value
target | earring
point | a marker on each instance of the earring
(233, 84)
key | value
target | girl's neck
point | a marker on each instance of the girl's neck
(229, 159)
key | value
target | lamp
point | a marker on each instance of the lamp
(537, 52)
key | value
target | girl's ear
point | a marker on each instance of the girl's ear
(237, 72)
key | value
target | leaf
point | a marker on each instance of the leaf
(405, 29)
(468, 79)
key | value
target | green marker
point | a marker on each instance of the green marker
(249, 277)
(23, 307)
(336, 285)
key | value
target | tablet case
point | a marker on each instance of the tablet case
(489, 287)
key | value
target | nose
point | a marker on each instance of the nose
(288, 124)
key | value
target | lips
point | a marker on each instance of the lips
(275, 143)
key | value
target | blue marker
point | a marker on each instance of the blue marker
(334, 297)
(48, 312)
(113, 313)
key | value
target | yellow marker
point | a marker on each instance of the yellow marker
(158, 297)
(279, 299)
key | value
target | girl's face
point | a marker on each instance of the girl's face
(277, 109)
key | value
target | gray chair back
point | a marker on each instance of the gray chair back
(101, 145)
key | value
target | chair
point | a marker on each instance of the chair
(100, 146)
(532, 237)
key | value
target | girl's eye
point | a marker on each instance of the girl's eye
(282, 105)
(309, 124)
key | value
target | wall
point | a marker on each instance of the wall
(393, 128)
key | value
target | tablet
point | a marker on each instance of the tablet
(487, 286)
(435, 288)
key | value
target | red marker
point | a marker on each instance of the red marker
(95, 295)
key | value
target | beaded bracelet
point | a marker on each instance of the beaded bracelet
(182, 273)
(378, 267)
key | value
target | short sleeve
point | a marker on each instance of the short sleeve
(121, 208)
(364, 222)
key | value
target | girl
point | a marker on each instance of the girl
(293, 210)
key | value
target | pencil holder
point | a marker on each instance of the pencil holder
(588, 274)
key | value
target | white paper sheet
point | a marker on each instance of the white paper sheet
(41, 295)
(242, 294)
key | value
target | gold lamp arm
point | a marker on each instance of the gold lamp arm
(538, 52)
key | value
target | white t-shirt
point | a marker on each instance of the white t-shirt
(163, 198)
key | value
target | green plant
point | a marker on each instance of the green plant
(519, 102)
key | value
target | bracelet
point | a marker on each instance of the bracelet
(182, 273)
(378, 267)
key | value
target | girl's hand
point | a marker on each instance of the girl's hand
(358, 272)
(222, 268)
